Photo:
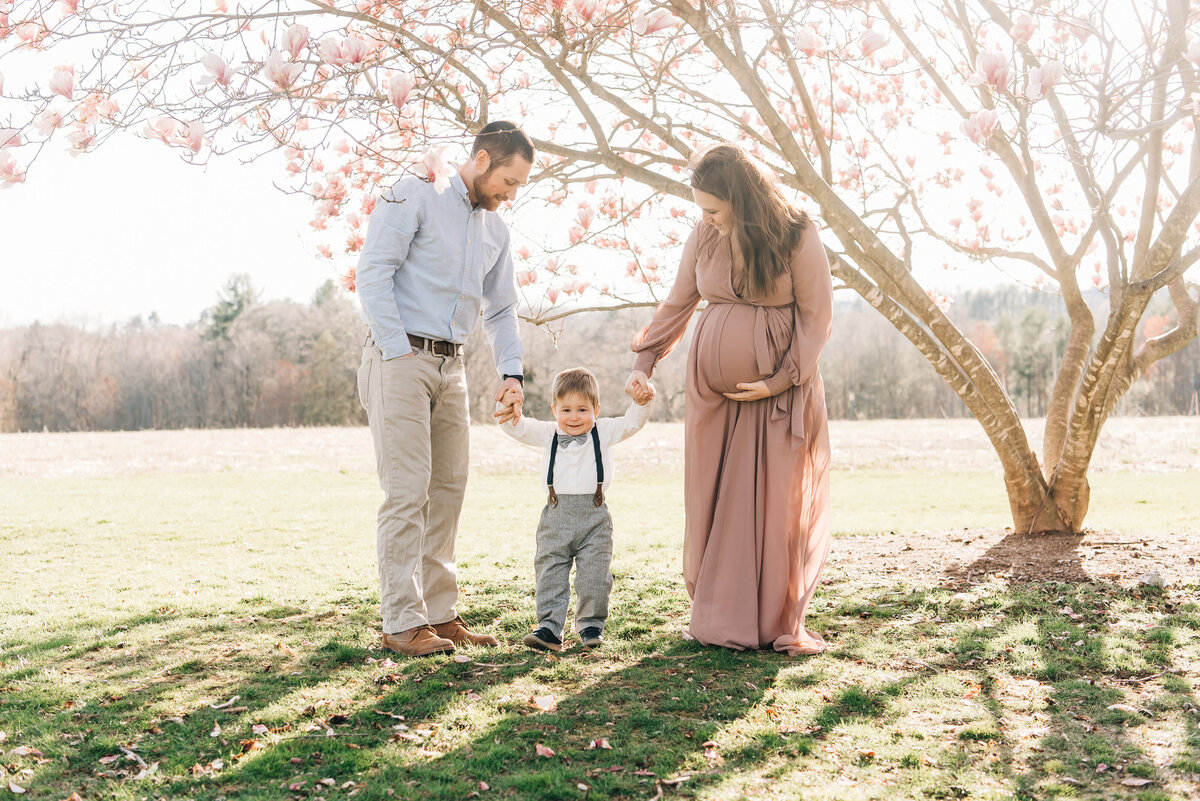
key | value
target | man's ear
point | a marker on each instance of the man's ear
(482, 161)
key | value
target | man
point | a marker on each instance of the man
(432, 263)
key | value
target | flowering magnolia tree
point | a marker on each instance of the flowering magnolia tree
(1049, 141)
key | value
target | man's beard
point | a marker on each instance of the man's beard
(485, 201)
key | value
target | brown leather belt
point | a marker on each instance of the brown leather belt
(438, 347)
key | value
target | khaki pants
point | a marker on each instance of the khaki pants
(417, 409)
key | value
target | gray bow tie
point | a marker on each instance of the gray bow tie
(566, 439)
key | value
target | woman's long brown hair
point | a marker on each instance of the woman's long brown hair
(766, 226)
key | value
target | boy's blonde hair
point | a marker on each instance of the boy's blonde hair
(578, 380)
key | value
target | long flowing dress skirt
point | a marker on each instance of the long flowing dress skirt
(756, 479)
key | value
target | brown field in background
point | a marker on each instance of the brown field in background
(1138, 444)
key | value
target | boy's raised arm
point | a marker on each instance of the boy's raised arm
(527, 430)
(632, 421)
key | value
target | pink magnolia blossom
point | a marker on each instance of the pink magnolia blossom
(160, 128)
(219, 72)
(526, 277)
(585, 215)
(192, 135)
(47, 122)
(1193, 52)
(107, 108)
(330, 49)
(1043, 78)
(436, 170)
(809, 42)
(280, 72)
(552, 294)
(980, 125)
(62, 81)
(10, 137)
(10, 173)
(95, 107)
(354, 50)
(29, 33)
(81, 137)
(350, 50)
(68, 7)
(400, 86)
(660, 19)
(1023, 29)
(870, 41)
(991, 67)
(294, 40)
(586, 8)
(941, 301)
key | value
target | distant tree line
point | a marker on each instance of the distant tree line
(246, 363)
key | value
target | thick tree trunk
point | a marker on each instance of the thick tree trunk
(1036, 509)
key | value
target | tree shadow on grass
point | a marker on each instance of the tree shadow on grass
(1085, 666)
(104, 706)
(1028, 557)
(658, 714)
(436, 728)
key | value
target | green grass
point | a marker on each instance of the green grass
(904, 501)
(135, 608)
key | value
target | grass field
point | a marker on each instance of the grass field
(194, 614)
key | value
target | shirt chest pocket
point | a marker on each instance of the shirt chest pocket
(491, 252)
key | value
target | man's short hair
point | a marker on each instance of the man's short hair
(503, 141)
(578, 380)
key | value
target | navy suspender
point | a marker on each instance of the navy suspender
(598, 498)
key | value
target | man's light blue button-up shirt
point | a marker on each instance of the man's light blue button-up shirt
(430, 264)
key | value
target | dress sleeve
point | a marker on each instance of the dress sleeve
(672, 316)
(812, 289)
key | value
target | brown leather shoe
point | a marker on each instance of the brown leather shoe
(417, 641)
(455, 631)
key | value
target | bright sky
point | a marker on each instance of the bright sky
(131, 229)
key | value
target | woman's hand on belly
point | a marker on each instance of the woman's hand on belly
(755, 390)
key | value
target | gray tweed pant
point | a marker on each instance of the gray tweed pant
(574, 531)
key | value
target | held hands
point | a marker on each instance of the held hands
(509, 398)
(639, 388)
(647, 395)
(755, 390)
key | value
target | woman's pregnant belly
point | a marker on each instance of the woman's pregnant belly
(728, 341)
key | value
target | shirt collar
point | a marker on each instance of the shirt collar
(459, 186)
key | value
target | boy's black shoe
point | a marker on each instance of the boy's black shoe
(591, 637)
(543, 639)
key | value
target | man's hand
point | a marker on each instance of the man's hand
(755, 390)
(510, 396)
(638, 387)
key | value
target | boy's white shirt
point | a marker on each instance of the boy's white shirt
(575, 464)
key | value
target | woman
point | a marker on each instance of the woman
(756, 457)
